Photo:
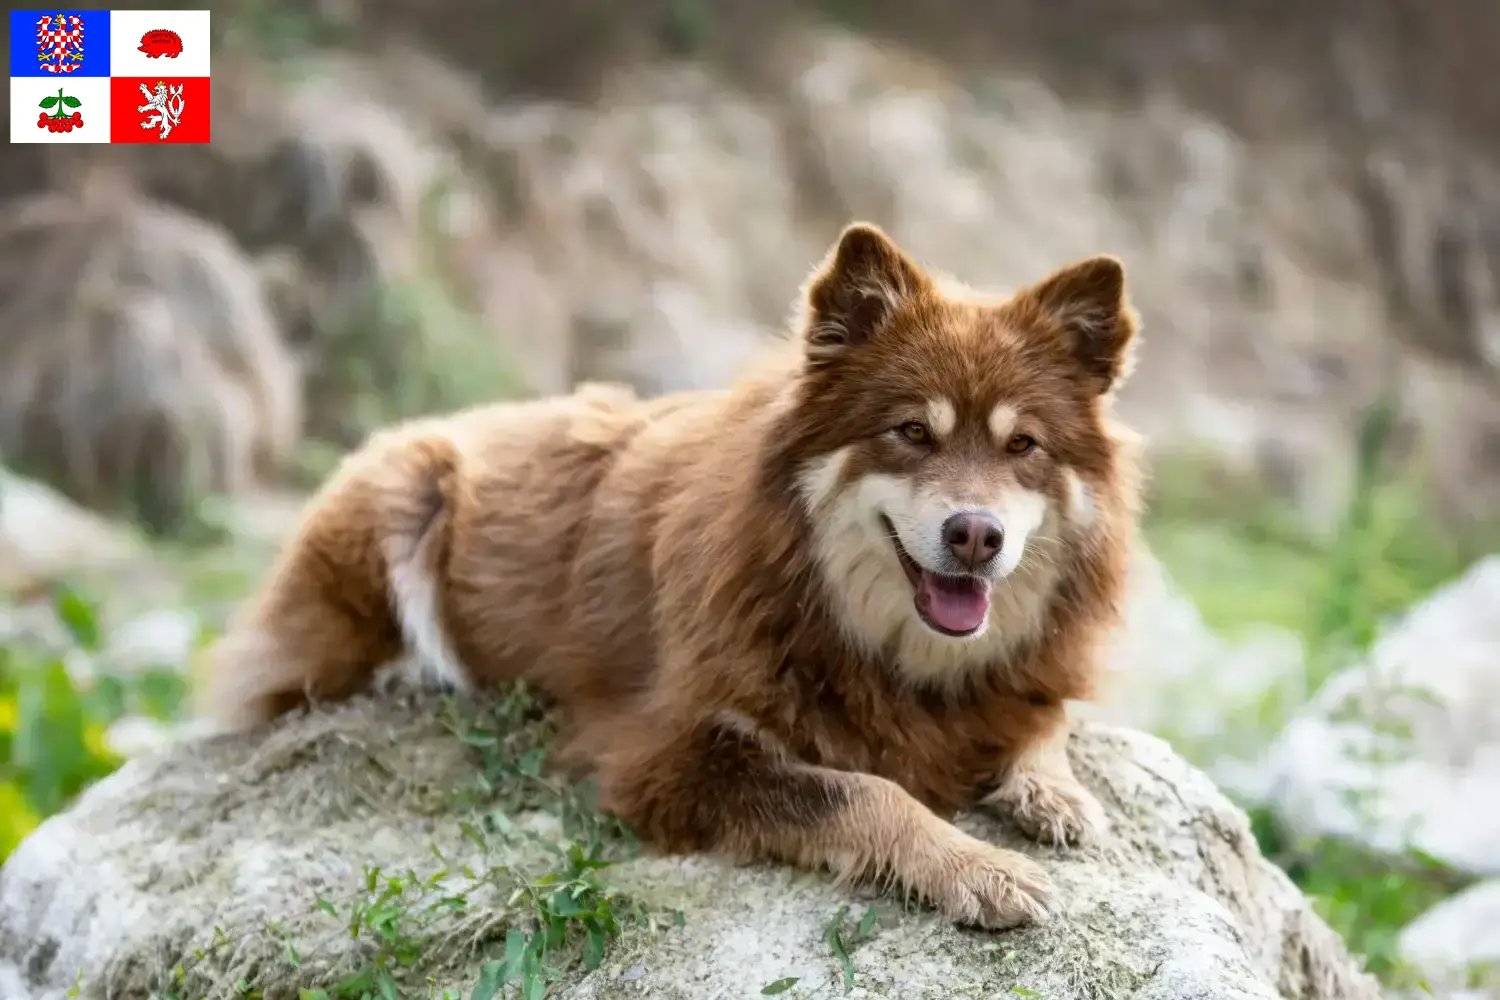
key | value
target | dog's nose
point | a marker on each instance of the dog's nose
(973, 538)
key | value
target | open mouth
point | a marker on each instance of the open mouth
(951, 605)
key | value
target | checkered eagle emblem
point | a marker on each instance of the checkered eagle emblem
(59, 42)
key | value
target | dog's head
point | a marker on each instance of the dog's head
(950, 447)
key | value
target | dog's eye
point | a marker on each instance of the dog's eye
(915, 431)
(1020, 444)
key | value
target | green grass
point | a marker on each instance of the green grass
(1245, 560)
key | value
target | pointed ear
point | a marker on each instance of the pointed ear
(1087, 300)
(864, 279)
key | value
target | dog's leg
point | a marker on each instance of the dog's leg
(1042, 795)
(356, 587)
(721, 786)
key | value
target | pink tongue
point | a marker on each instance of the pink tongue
(958, 605)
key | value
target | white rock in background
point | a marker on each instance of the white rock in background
(1404, 751)
(134, 735)
(43, 533)
(1458, 935)
(1171, 674)
(157, 640)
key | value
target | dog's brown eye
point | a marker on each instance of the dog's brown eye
(1020, 444)
(915, 432)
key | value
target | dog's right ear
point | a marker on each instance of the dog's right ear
(861, 283)
(1087, 304)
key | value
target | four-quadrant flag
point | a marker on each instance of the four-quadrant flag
(109, 76)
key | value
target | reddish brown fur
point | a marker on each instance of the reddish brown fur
(652, 567)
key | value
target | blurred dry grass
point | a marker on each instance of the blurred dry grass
(1343, 63)
(1341, 174)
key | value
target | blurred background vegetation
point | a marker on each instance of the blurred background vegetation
(411, 207)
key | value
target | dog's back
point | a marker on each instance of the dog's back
(370, 575)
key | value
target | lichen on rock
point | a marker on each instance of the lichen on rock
(246, 859)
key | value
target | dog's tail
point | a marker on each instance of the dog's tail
(356, 588)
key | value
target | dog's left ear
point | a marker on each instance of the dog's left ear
(864, 279)
(1088, 302)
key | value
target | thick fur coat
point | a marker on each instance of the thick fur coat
(806, 618)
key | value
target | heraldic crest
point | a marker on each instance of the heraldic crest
(59, 42)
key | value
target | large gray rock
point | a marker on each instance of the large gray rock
(212, 856)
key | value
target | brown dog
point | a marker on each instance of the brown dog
(805, 618)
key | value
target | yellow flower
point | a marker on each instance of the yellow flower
(7, 714)
(16, 818)
(93, 741)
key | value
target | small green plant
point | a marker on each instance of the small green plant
(576, 916)
(53, 719)
(511, 736)
(844, 939)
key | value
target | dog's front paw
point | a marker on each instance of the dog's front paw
(1051, 809)
(990, 887)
